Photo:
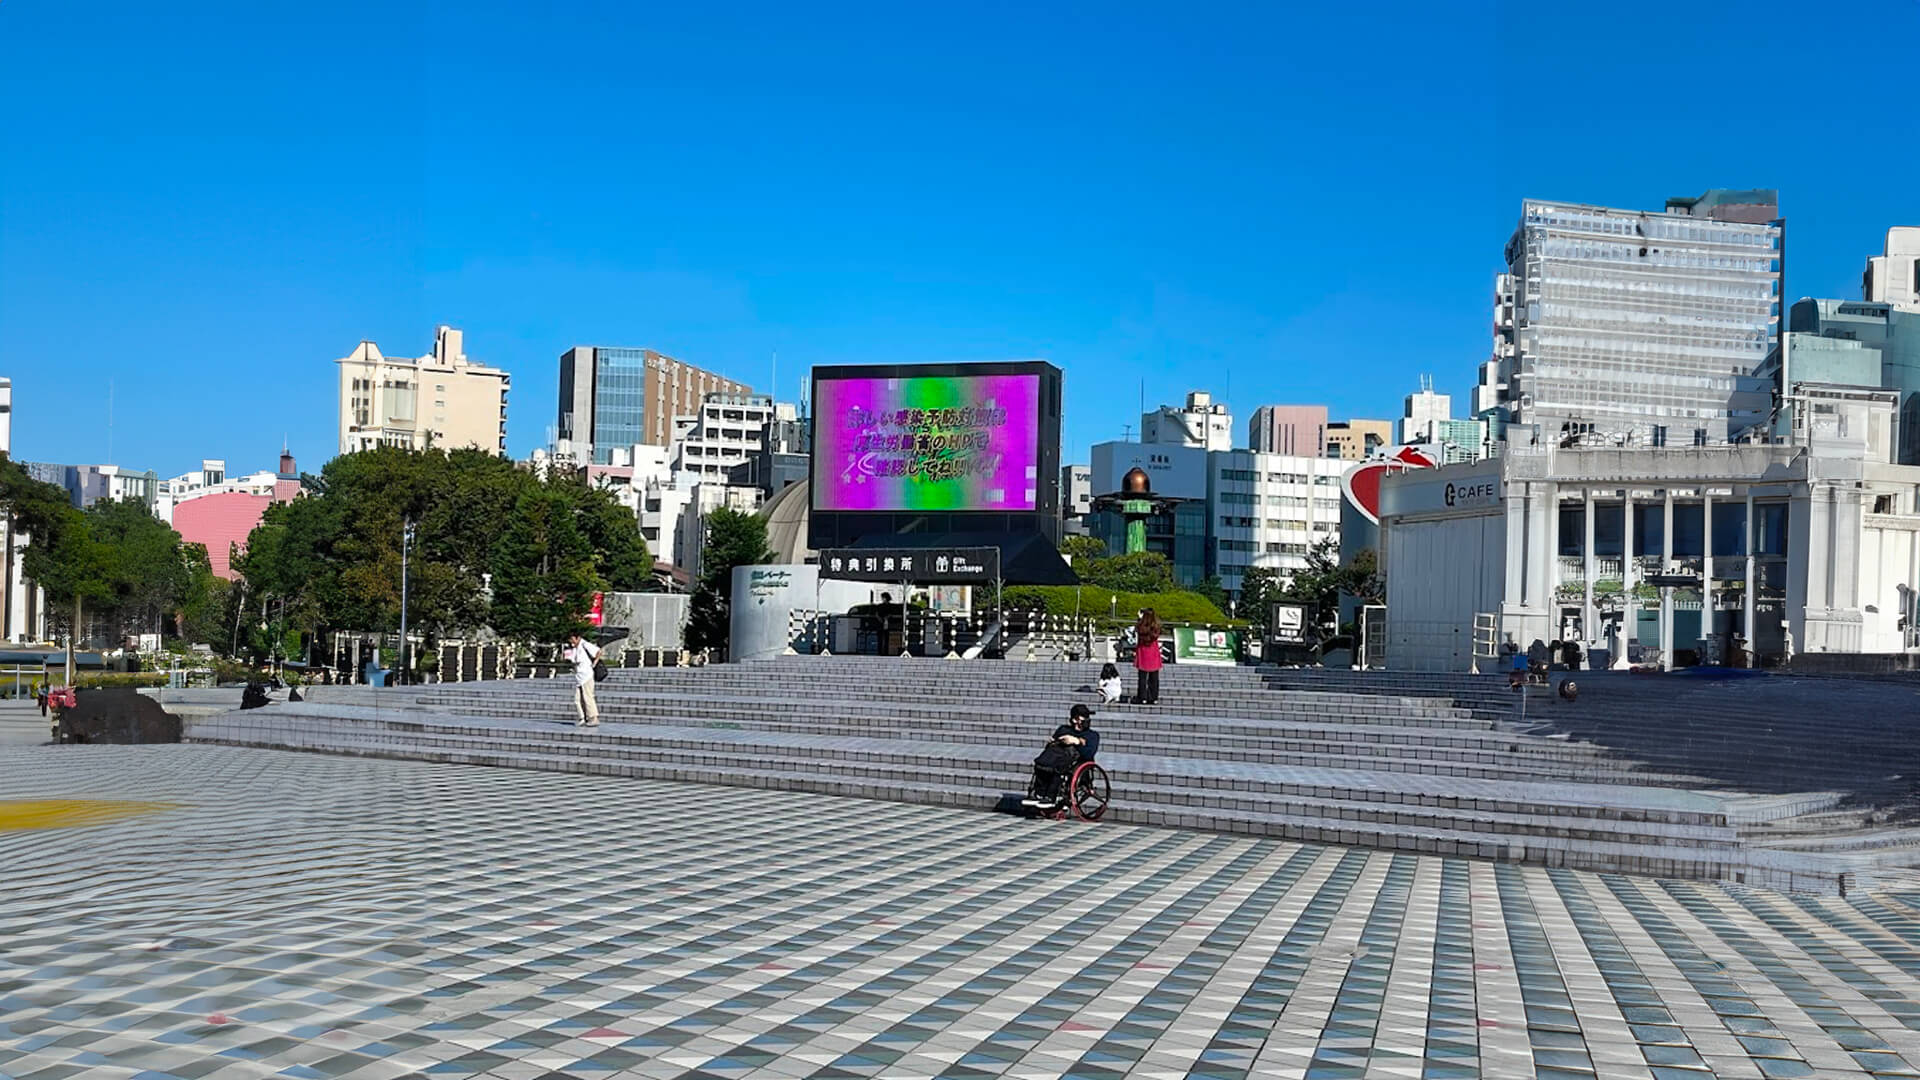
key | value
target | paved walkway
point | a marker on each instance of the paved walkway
(310, 916)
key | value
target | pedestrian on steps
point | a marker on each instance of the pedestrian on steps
(582, 654)
(1146, 658)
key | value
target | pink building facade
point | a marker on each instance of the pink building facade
(222, 520)
(1289, 429)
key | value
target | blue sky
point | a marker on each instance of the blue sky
(204, 207)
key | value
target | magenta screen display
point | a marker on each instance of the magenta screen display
(968, 442)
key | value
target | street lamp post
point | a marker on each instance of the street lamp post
(406, 541)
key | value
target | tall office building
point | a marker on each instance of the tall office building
(1894, 276)
(1288, 429)
(613, 398)
(441, 399)
(1636, 327)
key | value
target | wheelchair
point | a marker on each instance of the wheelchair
(1089, 792)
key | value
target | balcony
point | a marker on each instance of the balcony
(1573, 569)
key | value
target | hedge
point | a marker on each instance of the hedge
(85, 679)
(1095, 602)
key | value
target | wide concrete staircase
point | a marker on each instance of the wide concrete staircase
(1399, 764)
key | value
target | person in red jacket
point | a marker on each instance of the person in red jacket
(1146, 658)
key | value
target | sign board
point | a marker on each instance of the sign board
(1178, 472)
(1673, 581)
(1462, 494)
(1193, 645)
(597, 614)
(923, 566)
(1288, 624)
(1361, 484)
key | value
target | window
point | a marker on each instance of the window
(1699, 436)
(1659, 434)
(1883, 504)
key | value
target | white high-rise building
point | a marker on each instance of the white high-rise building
(441, 399)
(1203, 424)
(1270, 510)
(1894, 277)
(1422, 410)
(727, 429)
(1630, 327)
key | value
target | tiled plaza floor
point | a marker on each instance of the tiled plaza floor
(306, 916)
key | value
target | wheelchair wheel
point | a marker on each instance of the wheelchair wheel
(1088, 792)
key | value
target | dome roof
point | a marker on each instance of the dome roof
(1136, 482)
(788, 514)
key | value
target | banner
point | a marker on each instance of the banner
(921, 566)
(1202, 646)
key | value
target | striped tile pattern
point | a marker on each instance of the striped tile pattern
(325, 917)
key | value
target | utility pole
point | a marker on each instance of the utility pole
(406, 541)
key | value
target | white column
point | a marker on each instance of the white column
(1590, 625)
(1753, 636)
(1913, 581)
(1666, 595)
(1629, 606)
(1553, 556)
(1516, 550)
(1706, 563)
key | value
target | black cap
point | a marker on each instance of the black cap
(1081, 712)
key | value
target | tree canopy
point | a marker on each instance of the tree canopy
(494, 545)
(114, 561)
(733, 539)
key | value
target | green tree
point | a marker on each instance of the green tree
(733, 539)
(543, 576)
(148, 572)
(1139, 572)
(1215, 593)
(60, 554)
(204, 615)
(1260, 586)
(613, 532)
(1082, 551)
(1325, 578)
(333, 556)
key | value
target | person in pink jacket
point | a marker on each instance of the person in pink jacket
(1146, 658)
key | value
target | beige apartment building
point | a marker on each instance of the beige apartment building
(441, 399)
(1356, 440)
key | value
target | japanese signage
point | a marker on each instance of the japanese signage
(927, 566)
(1202, 646)
(1289, 624)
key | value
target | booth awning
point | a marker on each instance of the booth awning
(1025, 558)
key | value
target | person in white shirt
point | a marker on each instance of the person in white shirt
(1109, 684)
(582, 654)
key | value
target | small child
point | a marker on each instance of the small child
(1109, 685)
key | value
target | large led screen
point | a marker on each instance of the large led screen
(967, 442)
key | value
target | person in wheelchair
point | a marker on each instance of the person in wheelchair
(1072, 743)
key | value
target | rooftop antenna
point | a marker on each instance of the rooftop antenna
(109, 421)
(773, 386)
